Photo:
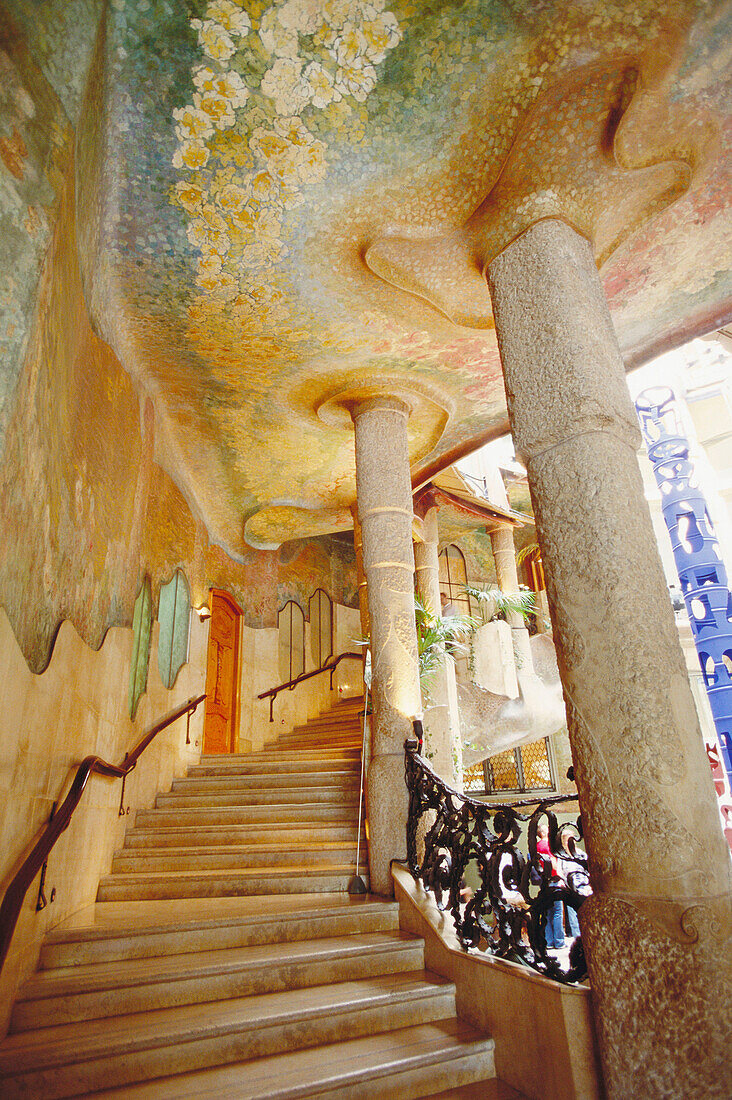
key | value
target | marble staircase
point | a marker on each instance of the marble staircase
(225, 958)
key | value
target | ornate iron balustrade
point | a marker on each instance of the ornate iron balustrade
(507, 915)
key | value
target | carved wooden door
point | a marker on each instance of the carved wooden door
(222, 675)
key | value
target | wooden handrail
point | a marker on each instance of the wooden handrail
(13, 899)
(327, 667)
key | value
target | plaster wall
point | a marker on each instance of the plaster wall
(78, 707)
(260, 671)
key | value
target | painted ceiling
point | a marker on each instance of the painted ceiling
(277, 202)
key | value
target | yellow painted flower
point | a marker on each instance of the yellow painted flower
(348, 46)
(190, 196)
(192, 123)
(283, 83)
(381, 34)
(230, 16)
(277, 39)
(208, 231)
(209, 269)
(190, 155)
(356, 79)
(216, 108)
(301, 16)
(214, 39)
(263, 188)
(228, 84)
(320, 85)
(232, 198)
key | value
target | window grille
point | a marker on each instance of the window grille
(521, 770)
(454, 578)
(321, 627)
(291, 625)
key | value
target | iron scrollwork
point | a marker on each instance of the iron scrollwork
(507, 915)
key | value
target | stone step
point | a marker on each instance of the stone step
(142, 929)
(395, 1065)
(272, 796)
(268, 781)
(294, 879)
(208, 813)
(481, 1090)
(235, 856)
(78, 1058)
(272, 762)
(286, 833)
(319, 742)
(69, 994)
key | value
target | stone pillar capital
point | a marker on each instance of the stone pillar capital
(379, 403)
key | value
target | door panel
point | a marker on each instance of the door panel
(222, 675)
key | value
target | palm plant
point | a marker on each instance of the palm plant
(497, 604)
(437, 635)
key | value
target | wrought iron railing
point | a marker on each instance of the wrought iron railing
(37, 858)
(329, 666)
(508, 913)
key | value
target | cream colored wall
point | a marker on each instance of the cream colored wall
(260, 671)
(79, 707)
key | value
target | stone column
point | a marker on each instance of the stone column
(443, 746)
(384, 493)
(656, 928)
(504, 555)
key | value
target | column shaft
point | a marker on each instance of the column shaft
(655, 930)
(443, 746)
(504, 556)
(385, 513)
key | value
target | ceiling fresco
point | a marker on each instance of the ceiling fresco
(281, 201)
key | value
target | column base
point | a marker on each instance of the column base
(387, 803)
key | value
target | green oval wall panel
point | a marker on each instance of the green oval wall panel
(141, 631)
(174, 611)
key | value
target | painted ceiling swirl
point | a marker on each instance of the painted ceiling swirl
(280, 201)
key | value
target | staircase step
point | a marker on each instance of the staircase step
(63, 1061)
(287, 833)
(70, 994)
(142, 929)
(269, 781)
(205, 884)
(287, 796)
(291, 763)
(396, 1065)
(303, 813)
(235, 856)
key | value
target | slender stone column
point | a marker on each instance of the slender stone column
(504, 556)
(656, 930)
(385, 512)
(441, 720)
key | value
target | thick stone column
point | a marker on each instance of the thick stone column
(384, 493)
(441, 720)
(656, 930)
(504, 556)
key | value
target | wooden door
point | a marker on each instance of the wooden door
(222, 675)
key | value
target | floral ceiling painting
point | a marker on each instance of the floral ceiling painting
(280, 201)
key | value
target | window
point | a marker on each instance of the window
(291, 624)
(526, 768)
(453, 579)
(141, 632)
(321, 627)
(174, 616)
